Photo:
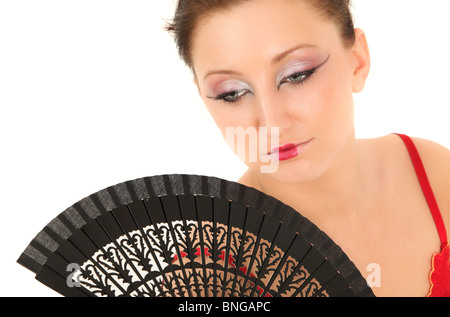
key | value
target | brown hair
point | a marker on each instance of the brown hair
(189, 12)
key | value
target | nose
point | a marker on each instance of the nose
(273, 111)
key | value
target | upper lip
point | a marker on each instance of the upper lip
(286, 147)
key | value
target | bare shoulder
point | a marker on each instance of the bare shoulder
(436, 160)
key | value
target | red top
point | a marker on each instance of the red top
(439, 276)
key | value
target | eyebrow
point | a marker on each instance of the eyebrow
(278, 58)
(221, 72)
(282, 55)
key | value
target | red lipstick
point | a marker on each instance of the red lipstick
(288, 151)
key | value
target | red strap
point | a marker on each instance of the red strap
(426, 187)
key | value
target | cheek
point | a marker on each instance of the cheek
(332, 100)
(226, 117)
(230, 116)
(237, 125)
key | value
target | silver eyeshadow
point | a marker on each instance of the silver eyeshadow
(291, 68)
(229, 86)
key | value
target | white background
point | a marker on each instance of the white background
(92, 93)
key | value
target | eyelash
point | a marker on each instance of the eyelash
(222, 97)
(307, 74)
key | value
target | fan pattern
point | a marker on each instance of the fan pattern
(188, 235)
(100, 273)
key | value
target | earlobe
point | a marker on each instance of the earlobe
(361, 59)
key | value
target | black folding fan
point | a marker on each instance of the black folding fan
(188, 235)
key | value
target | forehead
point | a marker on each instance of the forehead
(258, 30)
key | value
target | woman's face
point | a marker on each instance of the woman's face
(278, 64)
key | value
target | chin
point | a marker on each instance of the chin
(299, 171)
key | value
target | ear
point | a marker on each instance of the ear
(361, 61)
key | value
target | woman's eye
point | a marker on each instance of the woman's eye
(302, 76)
(232, 96)
(298, 78)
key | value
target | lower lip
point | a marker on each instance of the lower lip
(288, 154)
(291, 152)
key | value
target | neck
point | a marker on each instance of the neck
(335, 194)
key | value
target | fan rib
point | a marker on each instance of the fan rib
(165, 247)
(202, 247)
(141, 223)
(54, 280)
(227, 251)
(63, 272)
(227, 205)
(42, 254)
(119, 212)
(71, 243)
(106, 254)
(337, 285)
(214, 246)
(262, 271)
(240, 253)
(254, 253)
(130, 209)
(308, 280)
(181, 202)
(107, 225)
(292, 238)
(177, 249)
(287, 283)
(32, 259)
